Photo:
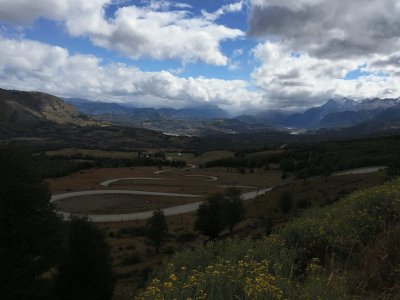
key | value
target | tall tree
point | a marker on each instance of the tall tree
(233, 209)
(87, 271)
(31, 235)
(157, 229)
(209, 218)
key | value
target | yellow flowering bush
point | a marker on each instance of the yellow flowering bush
(245, 270)
(279, 266)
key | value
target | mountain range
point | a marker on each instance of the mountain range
(346, 113)
(191, 121)
(203, 112)
(45, 121)
(335, 113)
(36, 115)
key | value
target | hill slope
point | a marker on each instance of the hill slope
(27, 110)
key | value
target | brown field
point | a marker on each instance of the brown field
(178, 181)
(118, 203)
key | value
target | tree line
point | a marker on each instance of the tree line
(59, 166)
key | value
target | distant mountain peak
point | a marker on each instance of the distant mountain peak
(341, 103)
(342, 112)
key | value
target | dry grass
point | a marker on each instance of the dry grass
(177, 182)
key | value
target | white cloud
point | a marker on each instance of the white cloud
(138, 32)
(224, 9)
(292, 79)
(317, 42)
(159, 30)
(26, 11)
(30, 65)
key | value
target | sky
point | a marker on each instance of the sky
(243, 56)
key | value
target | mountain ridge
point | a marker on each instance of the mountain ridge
(341, 113)
(20, 108)
(208, 111)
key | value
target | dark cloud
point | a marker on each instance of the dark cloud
(393, 60)
(278, 21)
(331, 29)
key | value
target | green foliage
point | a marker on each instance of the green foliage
(157, 229)
(347, 224)
(325, 158)
(54, 167)
(59, 166)
(86, 272)
(233, 209)
(31, 234)
(209, 221)
(241, 161)
(220, 211)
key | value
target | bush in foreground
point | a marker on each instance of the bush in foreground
(239, 269)
(289, 265)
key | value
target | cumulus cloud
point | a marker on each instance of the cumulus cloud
(139, 32)
(311, 45)
(159, 30)
(295, 79)
(25, 11)
(329, 29)
(30, 65)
